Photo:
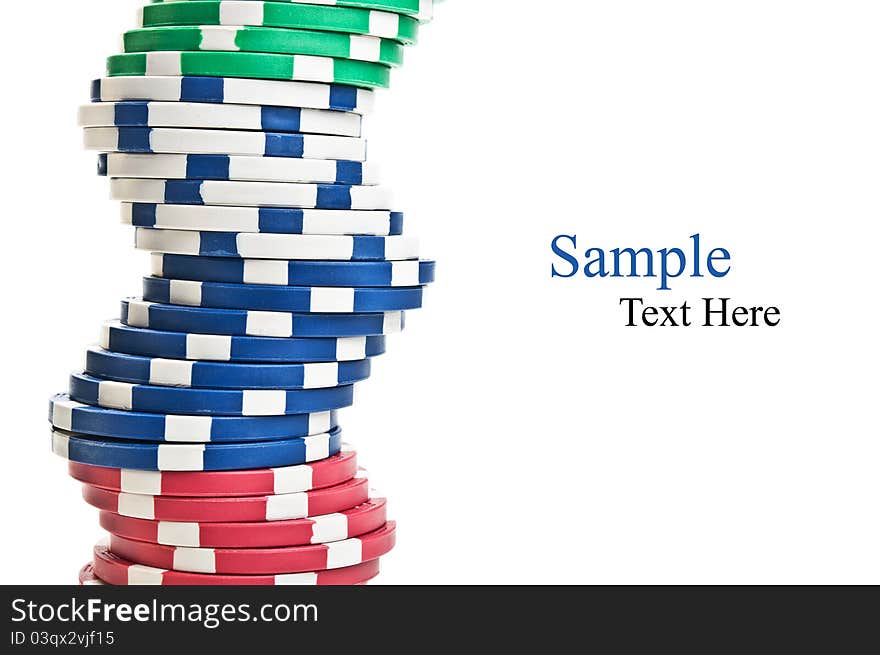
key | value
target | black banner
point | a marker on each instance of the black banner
(415, 619)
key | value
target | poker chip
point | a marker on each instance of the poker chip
(265, 40)
(423, 9)
(236, 167)
(330, 300)
(411, 273)
(220, 117)
(222, 348)
(200, 218)
(258, 561)
(220, 403)
(189, 141)
(177, 88)
(277, 246)
(250, 194)
(282, 507)
(252, 65)
(360, 520)
(261, 482)
(66, 413)
(99, 451)
(277, 14)
(115, 570)
(87, 576)
(199, 320)
(133, 369)
(204, 424)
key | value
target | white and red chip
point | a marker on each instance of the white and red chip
(327, 528)
(115, 570)
(259, 561)
(261, 482)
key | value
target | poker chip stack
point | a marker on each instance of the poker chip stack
(204, 426)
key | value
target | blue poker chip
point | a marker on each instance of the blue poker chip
(181, 373)
(247, 193)
(295, 273)
(262, 220)
(173, 140)
(326, 300)
(90, 390)
(69, 415)
(247, 245)
(199, 320)
(196, 457)
(223, 348)
(338, 97)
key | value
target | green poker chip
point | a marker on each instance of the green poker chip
(266, 39)
(251, 65)
(278, 14)
(420, 8)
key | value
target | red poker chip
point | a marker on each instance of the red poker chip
(232, 510)
(260, 482)
(328, 528)
(87, 576)
(115, 570)
(259, 561)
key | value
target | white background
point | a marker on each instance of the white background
(520, 431)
